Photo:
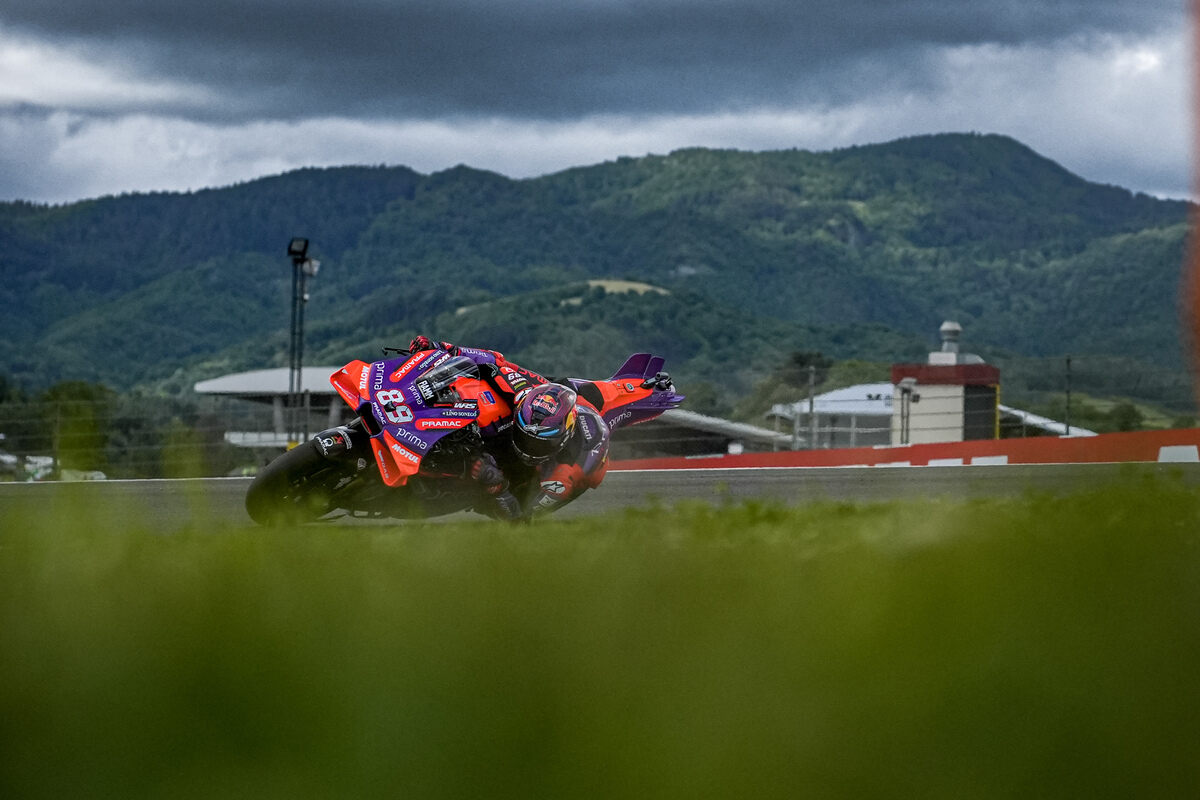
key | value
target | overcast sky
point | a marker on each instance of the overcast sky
(108, 96)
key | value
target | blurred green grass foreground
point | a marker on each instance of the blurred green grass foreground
(1039, 646)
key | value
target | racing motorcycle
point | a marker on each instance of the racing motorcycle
(420, 419)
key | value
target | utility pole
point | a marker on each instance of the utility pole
(908, 396)
(812, 417)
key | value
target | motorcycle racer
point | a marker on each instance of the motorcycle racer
(563, 440)
(557, 432)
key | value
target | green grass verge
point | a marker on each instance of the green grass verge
(1001, 648)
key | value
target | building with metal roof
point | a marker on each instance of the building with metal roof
(318, 405)
(679, 432)
(853, 416)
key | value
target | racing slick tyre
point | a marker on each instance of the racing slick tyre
(299, 486)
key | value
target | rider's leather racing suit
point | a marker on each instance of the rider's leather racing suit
(578, 466)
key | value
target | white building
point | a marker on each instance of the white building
(855, 416)
(951, 397)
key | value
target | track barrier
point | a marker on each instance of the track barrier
(1174, 446)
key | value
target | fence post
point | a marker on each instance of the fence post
(812, 417)
(1068, 419)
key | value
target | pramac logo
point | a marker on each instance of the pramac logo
(406, 366)
(442, 424)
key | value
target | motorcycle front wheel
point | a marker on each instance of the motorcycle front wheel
(298, 486)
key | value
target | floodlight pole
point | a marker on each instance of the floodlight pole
(292, 351)
(303, 268)
(308, 269)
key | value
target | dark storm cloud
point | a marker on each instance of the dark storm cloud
(549, 60)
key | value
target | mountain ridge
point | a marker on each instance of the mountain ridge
(848, 250)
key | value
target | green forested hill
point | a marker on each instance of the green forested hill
(857, 253)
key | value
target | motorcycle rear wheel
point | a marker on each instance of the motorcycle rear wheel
(296, 487)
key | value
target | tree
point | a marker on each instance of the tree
(795, 370)
(1125, 416)
(78, 413)
(703, 398)
(10, 392)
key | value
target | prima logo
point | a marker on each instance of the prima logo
(411, 438)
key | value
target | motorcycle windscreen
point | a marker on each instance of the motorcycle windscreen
(437, 383)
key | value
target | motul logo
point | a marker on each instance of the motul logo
(406, 454)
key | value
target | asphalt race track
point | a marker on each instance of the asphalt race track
(173, 504)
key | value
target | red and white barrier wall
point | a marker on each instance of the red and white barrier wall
(1181, 445)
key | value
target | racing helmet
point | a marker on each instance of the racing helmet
(543, 421)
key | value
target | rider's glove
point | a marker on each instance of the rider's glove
(420, 343)
(508, 507)
(488, 474)
(661, 382)
(504, 504)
